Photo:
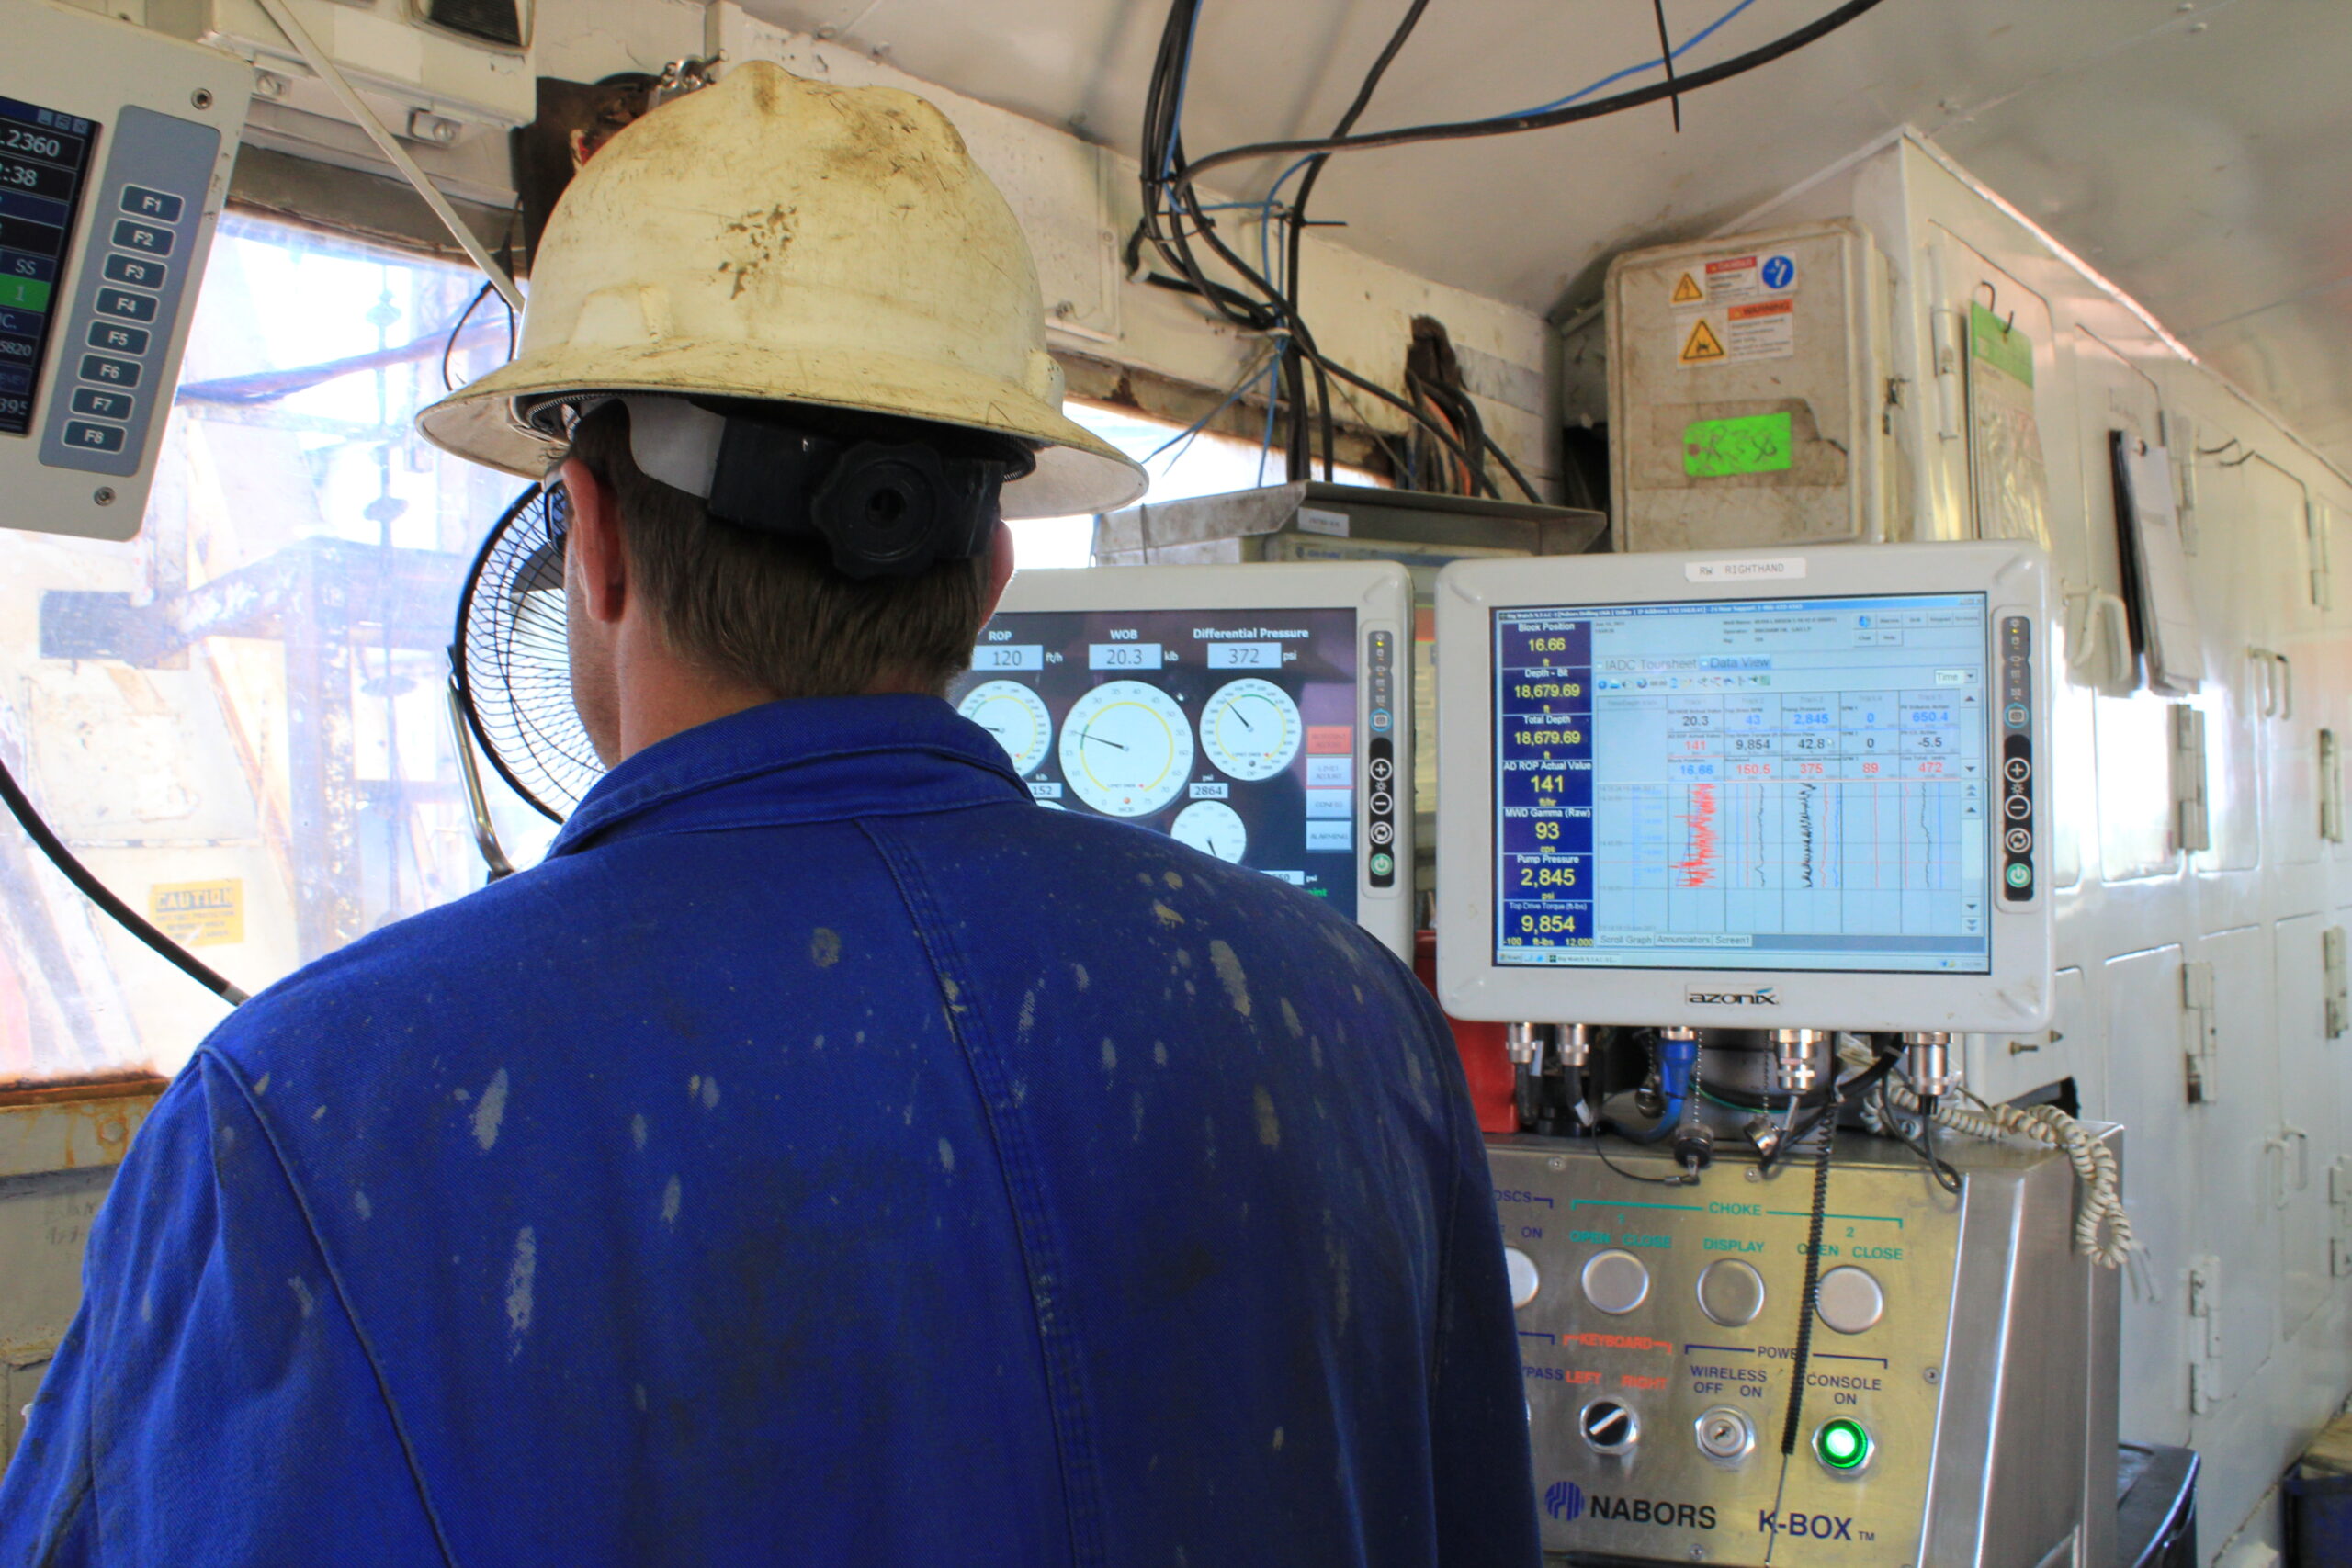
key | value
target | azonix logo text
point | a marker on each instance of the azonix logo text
(1761, 996)
(1565, 1500)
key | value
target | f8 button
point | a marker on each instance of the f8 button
(1849, 1300)
(1616, 1282)
(1731, 1292)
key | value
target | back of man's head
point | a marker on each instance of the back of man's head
(773, 612)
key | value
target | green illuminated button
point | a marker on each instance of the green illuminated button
(2020, 875)
(1382, 863)
(1843, 1444)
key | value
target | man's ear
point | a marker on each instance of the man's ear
(999, 567)
(595, 558)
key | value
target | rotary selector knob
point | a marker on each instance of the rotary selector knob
(1616, 1282)
(1849, 1300)
(1609, 1428)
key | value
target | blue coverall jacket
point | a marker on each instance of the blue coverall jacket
(826, 1156)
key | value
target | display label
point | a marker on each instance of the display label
(1786, 784)
(44, 163)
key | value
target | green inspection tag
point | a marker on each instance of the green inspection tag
(1757, 443)
(2000, 345)
(23, 294)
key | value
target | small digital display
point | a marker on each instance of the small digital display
(1148, 716)
(44, 160)
(1773, 784)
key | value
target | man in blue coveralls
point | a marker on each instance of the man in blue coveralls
(826, 1155)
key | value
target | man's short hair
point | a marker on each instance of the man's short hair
(773, 612)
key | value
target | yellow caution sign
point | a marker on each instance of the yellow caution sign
(1688, 292)
(1702, 345)
(199, 913)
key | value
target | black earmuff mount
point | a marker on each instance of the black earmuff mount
(881, 508)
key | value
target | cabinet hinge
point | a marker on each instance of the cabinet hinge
(2192, 829)
(2200, 1032)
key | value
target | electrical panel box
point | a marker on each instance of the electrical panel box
(115, 150)
(1748, 390)
(1960, 1349)
(437, 59)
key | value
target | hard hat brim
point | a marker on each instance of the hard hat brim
(1076, 470)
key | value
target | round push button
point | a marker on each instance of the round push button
(1849, 1300)
(1615, 1281)
(1731, 1292)
(1525, 1279)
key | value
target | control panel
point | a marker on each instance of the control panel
(2016, 759)
(1380, 765)
(115, 150)
(1658, 1329)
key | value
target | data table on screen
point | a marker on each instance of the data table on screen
(1785, 785)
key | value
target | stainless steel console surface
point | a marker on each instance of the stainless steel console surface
(1958, 1410)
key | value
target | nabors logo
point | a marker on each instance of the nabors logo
(1761, 996)
(1565, 1500)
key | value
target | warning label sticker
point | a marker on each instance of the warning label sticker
(1761, 328)
(1764, 330)
(1735, 279)
(1704, 347)
(199, 913)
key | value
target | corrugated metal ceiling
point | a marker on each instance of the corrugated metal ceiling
(2200, 154)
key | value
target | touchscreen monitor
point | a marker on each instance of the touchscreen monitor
(1724, 784)
(1249, 712)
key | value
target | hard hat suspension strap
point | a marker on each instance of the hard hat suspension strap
(887, 498)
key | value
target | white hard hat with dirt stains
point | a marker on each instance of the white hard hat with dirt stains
(774, 238)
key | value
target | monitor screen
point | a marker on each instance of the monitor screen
(44, 160)
(1784, 784)
(1233, 731)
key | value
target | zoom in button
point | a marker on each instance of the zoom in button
(2017, 770)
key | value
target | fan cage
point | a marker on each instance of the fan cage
(512, 663)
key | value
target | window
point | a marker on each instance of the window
(237, 720)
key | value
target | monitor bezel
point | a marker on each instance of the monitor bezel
(1381, 595)
(2014, 997)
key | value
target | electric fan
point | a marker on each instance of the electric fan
(509, 668)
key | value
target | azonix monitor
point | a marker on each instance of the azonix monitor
(1260, 713)
(1745, 790)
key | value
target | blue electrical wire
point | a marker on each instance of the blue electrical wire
(1685, 47)
(1274, 193)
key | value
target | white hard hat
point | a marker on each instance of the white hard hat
(774, 238)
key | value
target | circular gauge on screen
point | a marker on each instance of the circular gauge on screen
(1126, 748)
(1015, 715)
(1251, 729)
(1213, 827)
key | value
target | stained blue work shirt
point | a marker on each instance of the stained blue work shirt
(826, 1156)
